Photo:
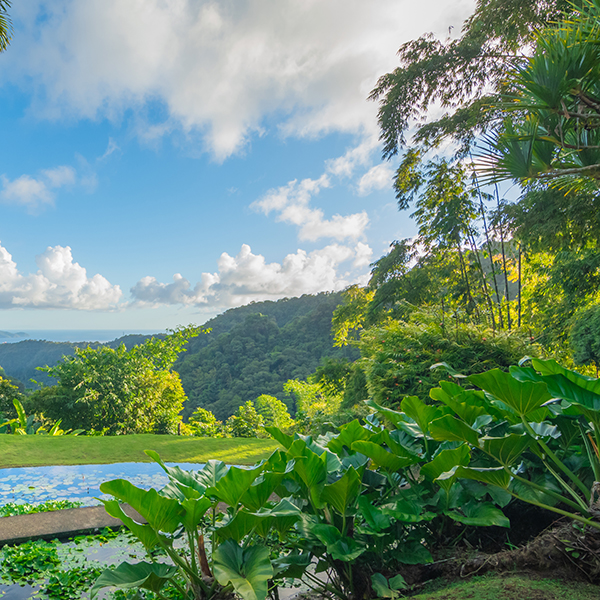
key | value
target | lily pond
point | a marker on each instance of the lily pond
(67, 569)
(79, 483)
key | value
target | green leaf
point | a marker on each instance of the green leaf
(195, 509)
(285, 440)
(380, 586)
(523, 397)
(444, 462)
(147, 536)
(239, 526)
(247, 569)
(506, 450)
(232, 486)
(310, 468)
(343, 493)
(449, 428)
(374, 517)
(421, 413)
(20, 413)
(398, 583)
(465, 403)
(479, 514)
(148, 576)
(293, 565)
(339, 547)
(395, 417)
(258, 494)
(188, 479)
(496, 476)
(162, 514)
(212, 471)
(349, 433)
(408, 510)
(382, 458)
(413, 553)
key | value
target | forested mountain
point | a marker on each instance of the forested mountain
(274, 342)
(249, 351)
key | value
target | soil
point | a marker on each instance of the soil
(566, 550)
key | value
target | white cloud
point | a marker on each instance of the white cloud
(33, 192)
(219, 68)
(291, 202)
(248, 277)
(378, 177)
(58, 283)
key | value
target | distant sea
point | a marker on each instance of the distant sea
(70, 335)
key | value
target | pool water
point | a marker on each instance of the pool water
(78, 482)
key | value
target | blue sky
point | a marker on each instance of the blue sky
(164, 160)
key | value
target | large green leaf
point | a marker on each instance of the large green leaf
(451, 429)
(145, 533)
(506, 450)
(292, 565)
(381, 457)
(422, 414)
(374, 517)
(247, 569)
(338, 546)
(408, 510)
(148, 576)
(162, 514)
(495, 476)
(523, 397)
(212, 471)
(283, 438)
(444, 462)
(238, 527)
(343, 493)
(310, 468)
(413, 553)
(233, 485)
(282, 516)
(195, 509)
(191, 486)
(395, 417)
(465, 403)
(349, 433)
(258, 494)
(479, 514)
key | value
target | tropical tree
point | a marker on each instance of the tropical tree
(552, 130)
(118, 390)
(273, 412)
(5, 25)
(461, 75)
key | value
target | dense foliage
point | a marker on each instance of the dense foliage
(258, 355)
(118, 390)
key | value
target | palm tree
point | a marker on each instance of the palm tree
(552, 128)
(5, 25)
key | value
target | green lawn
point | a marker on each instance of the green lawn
(513, 587)
(37, 450)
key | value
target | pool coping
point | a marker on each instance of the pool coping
(60, 524)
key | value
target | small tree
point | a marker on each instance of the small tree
(585, 337)
(274, 412)
(204, 424)
(245, 423)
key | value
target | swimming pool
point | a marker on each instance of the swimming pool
(78, 482)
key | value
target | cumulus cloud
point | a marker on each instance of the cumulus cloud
(219, 68)
(59, 283)
(378, 177)
(34, 192)
(248, 277)
(291, 203)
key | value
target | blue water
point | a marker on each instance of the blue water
(77, 482)
(73, 335)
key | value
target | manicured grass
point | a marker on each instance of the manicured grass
(37, 450)
(513, 587)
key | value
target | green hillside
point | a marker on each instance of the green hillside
(250, 350)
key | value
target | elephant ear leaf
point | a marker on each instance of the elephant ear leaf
(148, 576)
(246, 569)
(522, 397)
